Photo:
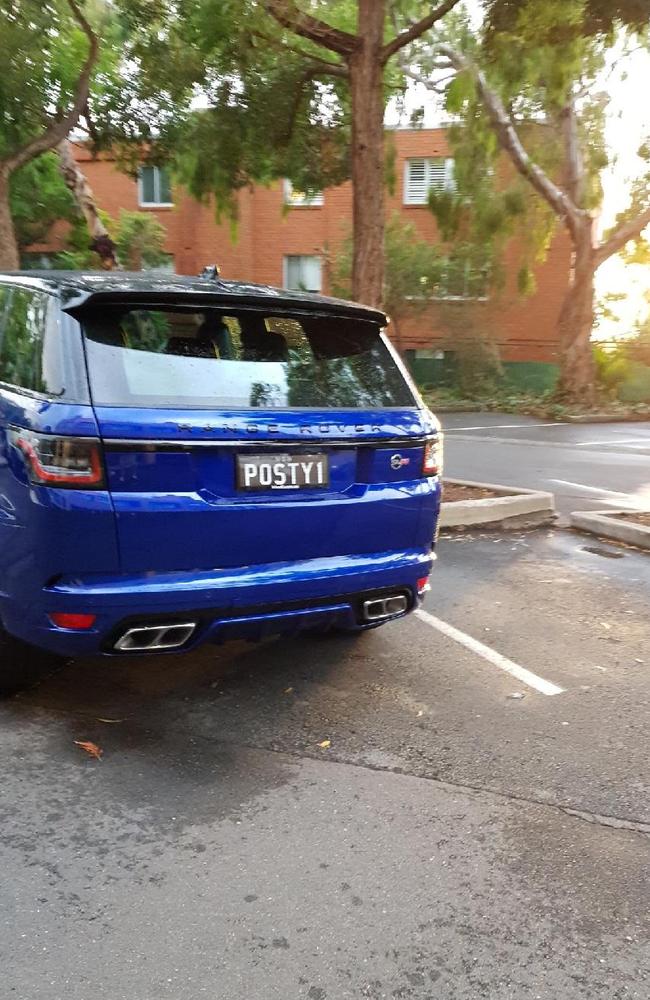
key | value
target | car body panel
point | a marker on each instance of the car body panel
(171, 533)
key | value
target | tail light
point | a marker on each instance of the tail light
(432, 461)
(65, 462)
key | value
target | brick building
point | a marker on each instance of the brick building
(284, 238)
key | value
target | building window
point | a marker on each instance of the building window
(154, 187)
(301, 199)
(428, 354)
(461, 278)
(424, 174)
(302, 273)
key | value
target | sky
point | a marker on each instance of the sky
(628, 123)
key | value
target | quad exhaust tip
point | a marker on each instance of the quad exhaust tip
(149, 638)
(384, 607)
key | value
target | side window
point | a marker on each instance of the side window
(5, 303)
(25, 349)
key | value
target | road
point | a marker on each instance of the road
(402, 815)
(588, 467)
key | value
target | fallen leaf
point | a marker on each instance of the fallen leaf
(111, 720)
(90, 748)
(288, 690)
(325, 744)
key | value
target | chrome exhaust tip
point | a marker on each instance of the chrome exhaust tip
(149, 638)
(380, 608)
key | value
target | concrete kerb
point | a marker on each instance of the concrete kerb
(608, 418)
(605, 524)
(513, 507)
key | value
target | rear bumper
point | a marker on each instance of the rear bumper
(227, 603)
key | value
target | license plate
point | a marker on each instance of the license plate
(282, 472)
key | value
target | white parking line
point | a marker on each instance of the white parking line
(490, 427)
(627, 442)
(491, 655)
(589, 489)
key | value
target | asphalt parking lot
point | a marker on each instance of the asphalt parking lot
(586, 466)
(452, 807)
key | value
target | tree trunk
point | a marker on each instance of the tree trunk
(575, 324)
(367, 96)
(76, 181)
(9, 257)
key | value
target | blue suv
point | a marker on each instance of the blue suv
(187, 460)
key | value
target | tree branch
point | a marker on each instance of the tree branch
(58, 129)
(575, 180)
(416, 30)
(289, 16)
(82, 192)
(324, 65)
(627, 231)
(502, 125)
(309, 73)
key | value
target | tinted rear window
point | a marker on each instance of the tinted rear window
(160, 357)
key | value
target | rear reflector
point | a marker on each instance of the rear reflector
(423, 585)
(65, 462)
(63, 619)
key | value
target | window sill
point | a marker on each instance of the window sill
(447, 298)
(156, 205)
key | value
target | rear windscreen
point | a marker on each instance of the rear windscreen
(212, 358)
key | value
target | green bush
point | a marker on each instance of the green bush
(612, 368)
(479, 371)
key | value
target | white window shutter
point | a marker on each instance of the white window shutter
(424, 174)
(301, 198)
(436, 174)
(416, 182)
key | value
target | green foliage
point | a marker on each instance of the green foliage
(638, 347)
(38, 198)
(623, 368)
(413, 269)
(41, 52)
(612, 368)
(594, 17)
(138, 236)
(267, 108)
(140, 239)
(526, 283)
(637, 252)
(479, 371)
(541, 59)
(262, 113)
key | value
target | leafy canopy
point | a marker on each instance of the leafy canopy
(139, 239)
(38, 199)
(262, 103)
(546, 62)
(41, 51)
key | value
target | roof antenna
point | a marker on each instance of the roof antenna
(211, 273)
